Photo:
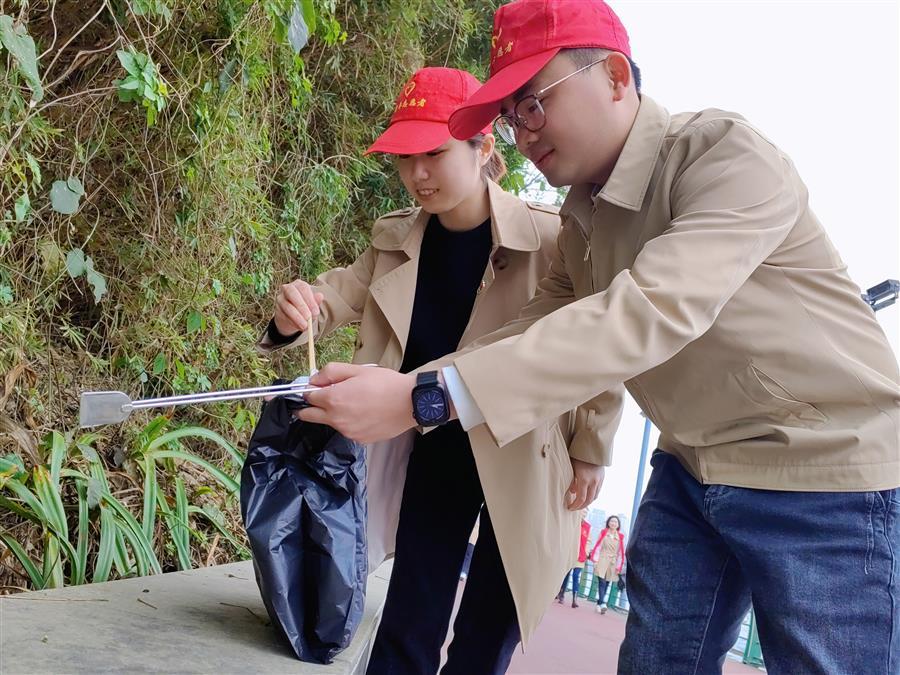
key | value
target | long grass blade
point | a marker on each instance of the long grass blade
(199, 432)
(37, 579)
(51, 500)
(107, 548)
(79, 562)
(58, 452)
(128, 520)
(151, 488)
(53, 564)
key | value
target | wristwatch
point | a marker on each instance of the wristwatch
(429, 400)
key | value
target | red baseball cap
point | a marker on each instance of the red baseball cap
(419, 122)
(527, 34)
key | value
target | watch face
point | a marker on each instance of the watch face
(430, 405)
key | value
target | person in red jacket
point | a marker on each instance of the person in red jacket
(575, 572)
(608, 555)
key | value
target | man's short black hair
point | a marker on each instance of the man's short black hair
(585, 56)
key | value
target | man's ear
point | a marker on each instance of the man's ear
(618, 70)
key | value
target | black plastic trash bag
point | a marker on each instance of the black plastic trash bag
(303, 500)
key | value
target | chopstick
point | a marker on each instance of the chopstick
(312, 348)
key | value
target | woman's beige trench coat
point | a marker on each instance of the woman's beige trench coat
(525, 481)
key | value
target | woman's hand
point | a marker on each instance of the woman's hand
(585, 484)
(295, 304)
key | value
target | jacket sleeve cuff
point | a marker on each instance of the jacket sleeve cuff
(466, 408)
(586, 447)
(272, 340)
(277, 338)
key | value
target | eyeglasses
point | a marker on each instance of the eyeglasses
(528, 112)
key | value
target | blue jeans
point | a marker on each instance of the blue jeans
(602, 587)
(821, 569)
(575, 574)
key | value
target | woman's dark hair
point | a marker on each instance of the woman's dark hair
(584, 56)
(495, 168)
(618, 520)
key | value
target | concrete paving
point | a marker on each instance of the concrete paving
(209, 620)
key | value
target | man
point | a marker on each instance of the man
(690, 268)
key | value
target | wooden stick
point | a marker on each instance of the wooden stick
(312, 348)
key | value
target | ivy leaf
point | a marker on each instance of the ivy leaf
(63, 198)
(6, 295)
(22, 207)
(159, 364)
(21, 46)
(97, 282)
(74, 184)
(298, 33)
(194, 321)
(75, 263)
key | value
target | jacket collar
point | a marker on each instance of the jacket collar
(512, 226)
(628, 182)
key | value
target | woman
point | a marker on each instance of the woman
(575, 573)
(436, 278)
(608, 555)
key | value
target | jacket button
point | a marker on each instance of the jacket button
(544, 450)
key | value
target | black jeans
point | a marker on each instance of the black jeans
(442, 499)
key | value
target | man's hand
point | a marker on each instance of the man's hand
(363, 403)
(585, 485)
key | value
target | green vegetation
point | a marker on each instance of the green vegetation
(164, 165)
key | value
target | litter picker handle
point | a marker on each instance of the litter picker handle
(230, 395)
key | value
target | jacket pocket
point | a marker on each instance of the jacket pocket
(768, 393)
(555, 446)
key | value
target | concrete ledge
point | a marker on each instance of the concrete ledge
(209, 620)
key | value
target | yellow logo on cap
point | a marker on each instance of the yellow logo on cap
(497, 45)
(412, 103)
(406, 101)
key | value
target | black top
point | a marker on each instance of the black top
(451, 267)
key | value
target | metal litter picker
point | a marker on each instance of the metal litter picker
(113, 407)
